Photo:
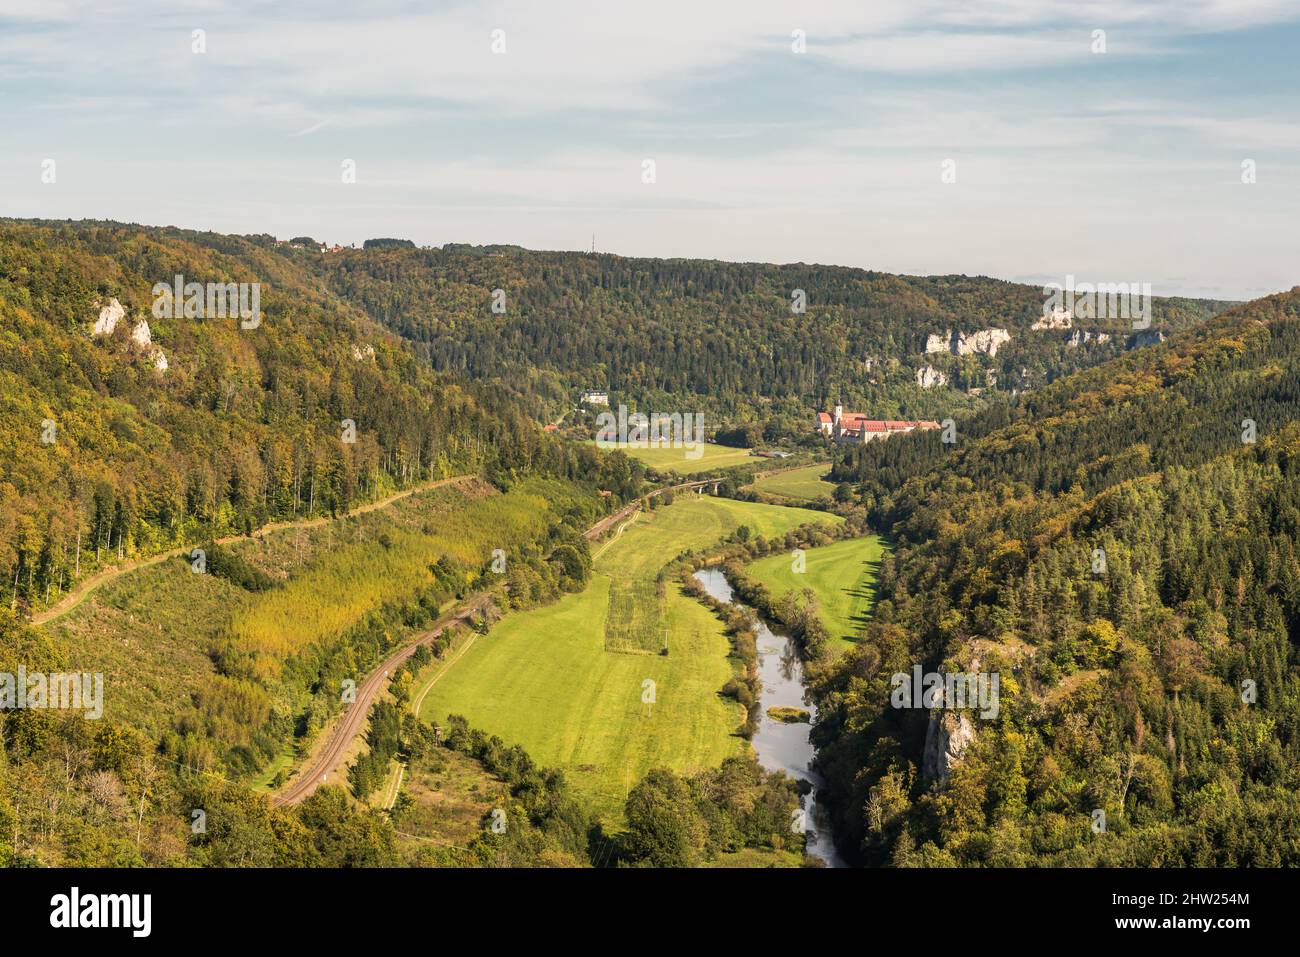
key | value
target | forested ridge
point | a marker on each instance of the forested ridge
(1120, 547)
(717, 335)
(103, 456)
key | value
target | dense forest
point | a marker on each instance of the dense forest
(319, 407)
(1120, 547)
(720, 337)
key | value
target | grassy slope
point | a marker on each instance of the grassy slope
(805, 483)
(345, 583)
(841, 574)
(542, 678)
(150, 630)
(149, 633)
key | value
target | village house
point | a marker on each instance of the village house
(594, 398)
(854, 428)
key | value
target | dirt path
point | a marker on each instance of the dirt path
(87, 585)
(390, 797)
(618, 533)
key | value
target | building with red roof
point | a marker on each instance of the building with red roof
(854, 428)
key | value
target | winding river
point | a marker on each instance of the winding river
(780, 745)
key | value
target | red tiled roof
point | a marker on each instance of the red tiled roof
(855, 424)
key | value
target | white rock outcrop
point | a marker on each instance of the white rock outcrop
(363, 352)
(937, 342)
(141, 336)
(1057, 319)
(986, 341)
(947, 737)
(1147, 337)
(927, 377)
(1082, 337)
(109, 316)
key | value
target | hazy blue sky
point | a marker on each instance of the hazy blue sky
(1122, 166)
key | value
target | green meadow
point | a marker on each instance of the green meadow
(544, 678)
(805, 484)
(842, 575)
(634, 617)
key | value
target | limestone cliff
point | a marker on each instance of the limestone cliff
(986, 342)
(947, 737)
(927, 377)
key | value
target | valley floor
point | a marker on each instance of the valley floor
(544, 679)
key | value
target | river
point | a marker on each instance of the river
(780, 745)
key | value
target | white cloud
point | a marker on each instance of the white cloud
(1063, 164)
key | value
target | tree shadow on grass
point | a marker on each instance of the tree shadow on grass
(865, 590)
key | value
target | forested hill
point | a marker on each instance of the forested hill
(1120, 547)
(105, 453)
(719, 335)
(159, 429)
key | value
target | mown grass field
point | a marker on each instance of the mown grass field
(634, 618)
(543, 678)
(805, 484)
(679, 459)
(841, 574)
(703, 520)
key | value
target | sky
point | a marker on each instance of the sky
(995, 137)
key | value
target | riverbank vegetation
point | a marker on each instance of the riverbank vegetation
(686, 822)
